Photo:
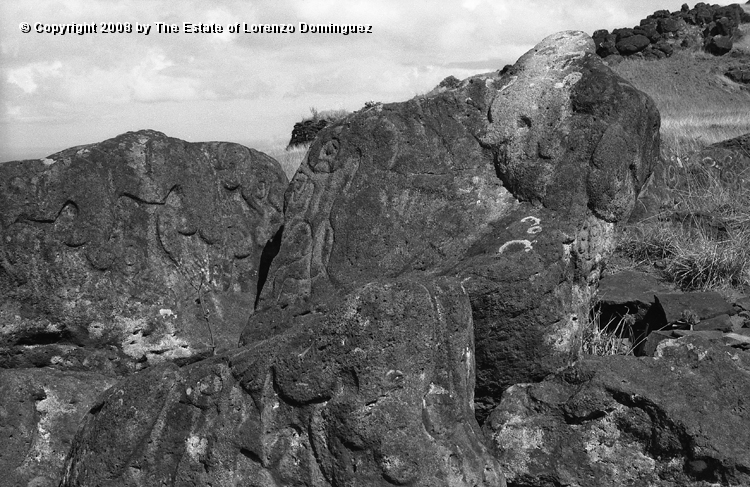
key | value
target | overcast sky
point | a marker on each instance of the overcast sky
(60, 91)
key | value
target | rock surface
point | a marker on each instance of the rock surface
(133, 250)
(711, 27)
(413, 188)
(378, 392)
(654, 312)
(488, 207)
(675, 420)
(40, 410)
(727, 161)
(305, 132)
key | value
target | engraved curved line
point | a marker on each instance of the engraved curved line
(525, 243)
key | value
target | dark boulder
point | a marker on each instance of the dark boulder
(305, 132)
(665, 47)
(633, 44)
(137, 249)
(669, 25)
(378, 392)
(606, 45)
(677, 419)
(648, 30)
(703, 15)
(623, 33)
(719, 45)
(739, 75)
(720, 27)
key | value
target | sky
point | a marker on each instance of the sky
(59, 91)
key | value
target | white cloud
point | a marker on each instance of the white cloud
(254, 86)
(27, 77)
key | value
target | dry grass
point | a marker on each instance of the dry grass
(703, 241)
(614, 338)
(290, 159)
(699, 106)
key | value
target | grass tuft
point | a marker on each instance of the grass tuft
(615, 338)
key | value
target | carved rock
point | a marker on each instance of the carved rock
(413, 187)
(133, 250)
(40, 410)
(377, 392)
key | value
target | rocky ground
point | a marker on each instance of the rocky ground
(411, 309)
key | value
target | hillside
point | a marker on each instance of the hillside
(699, 104)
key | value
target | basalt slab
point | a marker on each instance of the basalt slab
(133, 250)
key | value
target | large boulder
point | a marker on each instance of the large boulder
(632, 44)
(677, 419)
(512, 183)
(378, 392)
(137, 249)
(40, 411)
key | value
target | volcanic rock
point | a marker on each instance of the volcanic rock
(632, 44)
(676, 419)
(413, 188)
(378, 392)
(137, 249)
(305, 132)
(40, 410)
(719, 45)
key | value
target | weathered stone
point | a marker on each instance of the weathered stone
(142, 242)
(632, 44)
(606, 43)
(40, 410)
(669, 25)
(376, 392)
(648, 30)
(653, 340)
(664, 47)
(305, 132)
(739, 75)
(630, 290)
(413, 188)
(623, 33)
(677, 419)
(689, 307)
(723, 322)
(743, 303)
(719, 45)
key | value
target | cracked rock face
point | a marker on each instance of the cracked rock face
(377, 392)
(677, 419)
(511, 183)
(133, 250)
(39, 416)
